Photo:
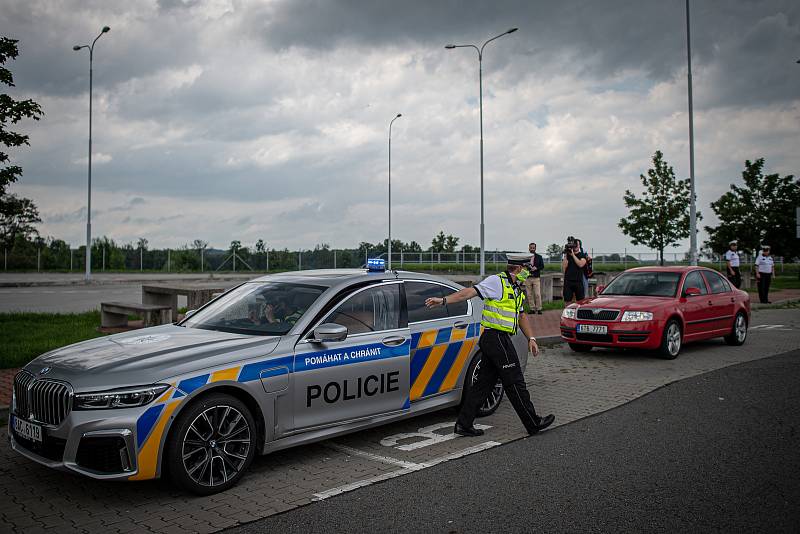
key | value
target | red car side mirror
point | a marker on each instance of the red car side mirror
(599, 289)
(692, 291)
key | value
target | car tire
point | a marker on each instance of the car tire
(578, 347)
(495, 398)
(671, 340)
(211, 444)
(738, 334)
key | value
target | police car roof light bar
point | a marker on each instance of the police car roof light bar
(376, 265)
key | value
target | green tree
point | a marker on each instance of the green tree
(444, 243)
(760, 211)
(17, 218)
(554, 251)
(660, 216)
(17, 215)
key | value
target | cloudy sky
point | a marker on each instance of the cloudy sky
(240, 119)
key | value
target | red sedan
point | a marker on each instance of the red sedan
(658, 308)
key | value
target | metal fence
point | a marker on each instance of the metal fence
(128, 259)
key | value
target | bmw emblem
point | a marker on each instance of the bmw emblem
(44, 370)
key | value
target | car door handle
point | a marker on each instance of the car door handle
(393, 341)
(461, 325)
(710, 303)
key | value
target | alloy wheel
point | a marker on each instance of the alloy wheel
(674, 339)
(741, 328)
(216, 445)
(495, 396)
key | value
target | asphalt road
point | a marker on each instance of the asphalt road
(717, 452)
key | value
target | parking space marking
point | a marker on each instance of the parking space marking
(428, 434)
(370, 456)
(400, 472)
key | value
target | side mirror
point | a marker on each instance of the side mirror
(329, 332)
(692, 291)
(600, 289)
(189, 313)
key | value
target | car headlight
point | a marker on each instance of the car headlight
(568, 313)
(633, 316)
(119, 398)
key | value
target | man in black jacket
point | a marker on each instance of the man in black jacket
(572, 266)
(533, 284)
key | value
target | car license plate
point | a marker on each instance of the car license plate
(593, 329)
(27, 430)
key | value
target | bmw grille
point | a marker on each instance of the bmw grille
(42, 400)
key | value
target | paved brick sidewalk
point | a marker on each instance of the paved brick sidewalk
(571, 385)
(6, 380)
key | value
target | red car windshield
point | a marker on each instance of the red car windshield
(644, 284)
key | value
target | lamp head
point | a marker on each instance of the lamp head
(105, 29)
(512, 30)
(399, 115)
(450, 46)
(76, 47)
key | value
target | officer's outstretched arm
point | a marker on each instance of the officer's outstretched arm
(464, 294)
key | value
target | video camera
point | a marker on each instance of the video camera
(571, 242)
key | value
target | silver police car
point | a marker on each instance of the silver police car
(279, 361)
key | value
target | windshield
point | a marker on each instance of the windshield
(257, 308)
(645, 284)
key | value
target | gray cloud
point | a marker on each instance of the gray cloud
(254, 119)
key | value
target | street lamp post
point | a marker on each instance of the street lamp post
(389, 249)
(480, 89)
(89, 194)
(692, 207)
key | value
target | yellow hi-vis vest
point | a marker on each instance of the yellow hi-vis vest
(503, 314)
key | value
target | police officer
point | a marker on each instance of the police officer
(502, 314)
(732, 261)
(765, 267)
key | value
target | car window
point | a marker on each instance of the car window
(454, 309)
(257, 308)
(416, 294)
(717, 283)
(695, 279)
(644, 283)
(371, 310)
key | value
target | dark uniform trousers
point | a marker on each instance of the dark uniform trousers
(499, 360)
(735, 278)
(764, 281)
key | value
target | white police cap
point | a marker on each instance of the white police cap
(521, 258)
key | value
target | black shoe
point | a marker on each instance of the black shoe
(467, 431)
(544, 422)
(539, 312)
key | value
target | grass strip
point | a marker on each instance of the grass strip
(27, 335)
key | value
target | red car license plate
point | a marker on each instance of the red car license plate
(592, 329)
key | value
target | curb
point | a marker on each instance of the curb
(759, 306)
(549, 340)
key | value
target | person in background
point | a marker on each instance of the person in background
(586, 269)
(572, 266)
(732, 263)
(533, 283)
(765, 266)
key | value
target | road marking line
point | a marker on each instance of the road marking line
(464, 452)
(428, 436)
(410, 467)
(374, 457)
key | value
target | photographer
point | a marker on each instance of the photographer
(573, 267)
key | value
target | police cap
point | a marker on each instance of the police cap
(518, 258)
